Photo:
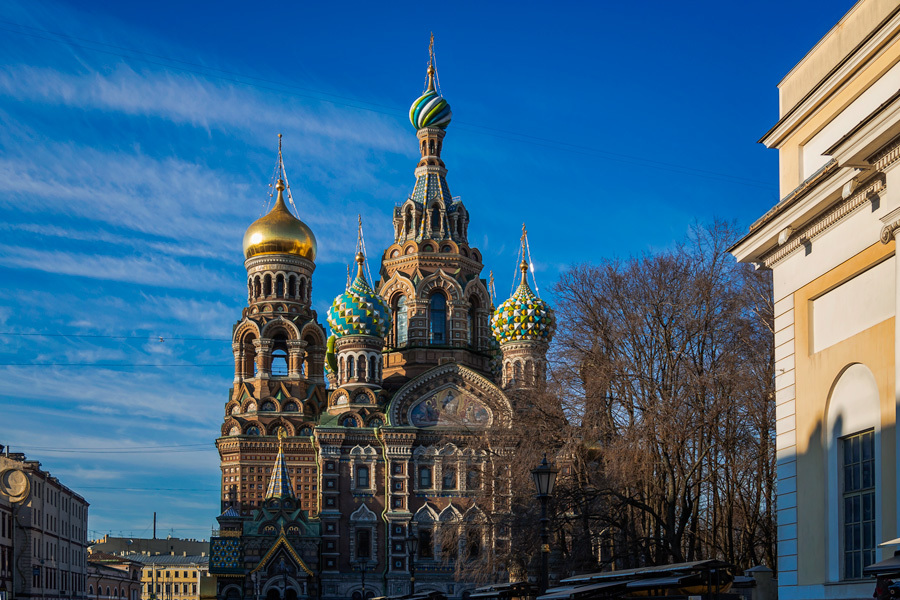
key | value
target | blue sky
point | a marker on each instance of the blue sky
(137, 141)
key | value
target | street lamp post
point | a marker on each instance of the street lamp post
(412, 545)
(544, 478)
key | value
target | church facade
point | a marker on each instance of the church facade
(337, 447)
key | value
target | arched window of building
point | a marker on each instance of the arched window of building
(407, 221)
(529, 372)
(279, 363)
(362, 477)
(342, 370)
(472, 321)
(438, 318)
(302, 293)
(279, 285)
(473, 479)
(350, 367)
(401, 321)
(473, 541)
(257, 287)
(430, 146)
(267, 285)
(372, 369)
(361, 368)
(90, 590)
(449, 479)
(435, 218)
(292, 286)
(517, 372)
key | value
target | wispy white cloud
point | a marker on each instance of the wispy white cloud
(145, 270)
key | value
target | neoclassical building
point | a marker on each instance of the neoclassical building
(831, 245)
(336, 447)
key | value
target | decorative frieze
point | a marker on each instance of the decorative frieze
(826, 221)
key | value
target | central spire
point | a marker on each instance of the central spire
(280, 483)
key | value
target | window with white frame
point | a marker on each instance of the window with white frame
(858, 502)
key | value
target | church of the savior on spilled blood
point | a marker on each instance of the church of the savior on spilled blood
(337, 448)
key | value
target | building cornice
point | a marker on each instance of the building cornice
(824, 222)
(867, 50)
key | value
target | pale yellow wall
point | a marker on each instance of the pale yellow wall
(852, 29)
(815, 376)
(789, 155)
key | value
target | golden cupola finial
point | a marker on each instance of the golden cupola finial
(280, 232)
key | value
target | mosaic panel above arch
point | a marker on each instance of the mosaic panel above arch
(449, 407)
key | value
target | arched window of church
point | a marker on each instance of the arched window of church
(372, 367)
(407, 221)
(438, 318)
(279, 363)
(449, 479)
(529, 372)
(401, 321)
(362, 477)
(517, 372)
(302, 293)
(342, 370)
(472, 321)
(257, 287)
(459, 227)
(350, 367)
(279, 286)
(361, 368)
(473, 541)
(435, 218)
(430, 146)
(292, 286)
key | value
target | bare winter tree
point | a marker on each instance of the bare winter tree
(659, 412)
(666, 363)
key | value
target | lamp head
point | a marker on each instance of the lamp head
(544, 476)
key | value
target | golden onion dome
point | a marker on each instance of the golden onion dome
(280, 232)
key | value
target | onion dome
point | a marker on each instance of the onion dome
(524, 317)
(280, 232)
(359, 310)
(430, 109)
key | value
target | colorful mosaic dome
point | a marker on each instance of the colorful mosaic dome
(359, 310)
(524, 317)
(430, 109)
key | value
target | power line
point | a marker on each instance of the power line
(516, 136)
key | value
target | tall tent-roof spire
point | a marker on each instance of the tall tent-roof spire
(280, 482)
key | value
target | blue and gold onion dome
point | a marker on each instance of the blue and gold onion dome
(359, 310)
(430, 109)
(280, 232)
(524, 317)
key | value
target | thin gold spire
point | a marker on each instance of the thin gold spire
(431, 71)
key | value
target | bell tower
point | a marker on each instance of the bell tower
(430, 275)
(279, 359)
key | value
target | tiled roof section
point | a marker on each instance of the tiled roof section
(430, 187)
(280, 483)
